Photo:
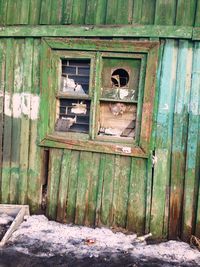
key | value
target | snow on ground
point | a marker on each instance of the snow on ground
(41, 237)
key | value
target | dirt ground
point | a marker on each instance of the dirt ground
(12, 258)
(42, 243)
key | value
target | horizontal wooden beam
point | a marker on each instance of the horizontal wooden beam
(152, 31)
(196, 34)
(93, 146)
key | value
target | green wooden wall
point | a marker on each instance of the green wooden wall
(159, 12)
(118, 190)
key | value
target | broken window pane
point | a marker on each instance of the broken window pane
(73, 116)
(120, 78)
(117, 119)
(75, 76)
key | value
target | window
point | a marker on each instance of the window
(101, 94)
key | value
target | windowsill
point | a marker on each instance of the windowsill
(59, 141)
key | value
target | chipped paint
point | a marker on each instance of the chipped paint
(22, 104)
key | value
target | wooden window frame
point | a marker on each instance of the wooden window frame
(54, 49)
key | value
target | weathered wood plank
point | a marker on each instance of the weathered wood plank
(34, 168)
(119, 12)
(45, 12)
(121, 190)
(99, 188)
(24, 11)
(106, 213)
(150, 161)
(78, 11)
(186, 12)
(98, 31)
(192, 169)
(160, 197)
(148, 12)
(7, 137)
(67, 11)
(91, 9)
(72, 187)
(63, 185)
(56, 12)
(124, 12)
(100, 17)
(53, 181)
(2, 91)
(180, 125)
(34, 16)
(25, 121)
(137, 11)
(13, 10)
(3, 11)
(45, 85)
(197, 17)
(165, 13)
(137, 197)
(84, 177)
(16, 120)
(90, 214)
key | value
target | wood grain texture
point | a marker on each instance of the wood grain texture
(180, 126)
(192, 160)
(160, 198)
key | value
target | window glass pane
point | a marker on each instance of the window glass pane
(75, 76)
(73, 116)
(120, 78)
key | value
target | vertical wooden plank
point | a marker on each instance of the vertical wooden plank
(55, 161)
(16, 121)
(197, 222)
(3, 11)
(106, 215)
(67, 11)
(7, 137)
(34, 14)
(124, 12)
(34, 165)
(90, 214)
(24, 13)
(111, 11)
(137, 196)
(2, 93)
(184, 69)
(148, 12)
(56, 12)
(25, 121)
(100, 188)
(90, 14)
(121, 190)
(165, 13)
(160, 197)
(186, 12)
(13, 10)
(72, 188)
(101, 10)
(46, 83)
(150, 161)
(197, 17)
(45, 13)
(192, 160)
(137, 10)
(63, 186)
(84, 177)
(79, 10)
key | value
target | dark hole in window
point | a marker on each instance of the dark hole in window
(120, 78)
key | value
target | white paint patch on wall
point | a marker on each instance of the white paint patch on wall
(22, 104)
